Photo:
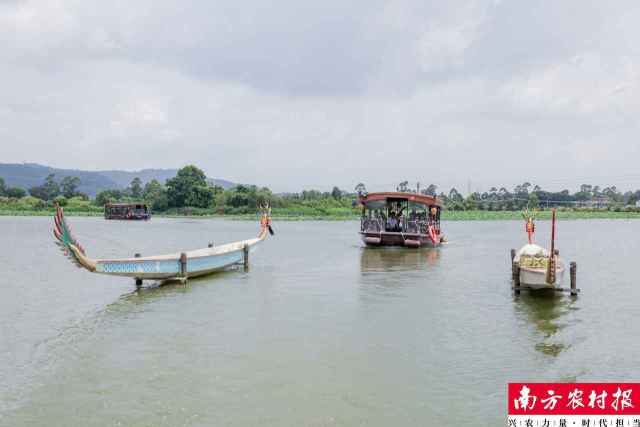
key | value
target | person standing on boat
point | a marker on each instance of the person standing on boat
(400, 220)
(392, 223)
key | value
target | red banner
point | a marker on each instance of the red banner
(574, 398)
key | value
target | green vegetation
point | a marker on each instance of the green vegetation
(563, 214)
(190, 194)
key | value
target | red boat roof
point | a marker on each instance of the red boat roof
(125, 204)
(412, 197)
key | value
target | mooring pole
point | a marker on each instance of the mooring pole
(245, 256)
(138, 280)
(183, 265)
(572, 271)
(551, 266)
(515, 273)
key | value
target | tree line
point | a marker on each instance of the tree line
(530, 195)
(190, 190)
(49, 191)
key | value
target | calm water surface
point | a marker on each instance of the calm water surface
(319, 332)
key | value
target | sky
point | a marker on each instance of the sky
(293, 95)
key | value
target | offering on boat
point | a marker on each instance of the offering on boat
(400, 219)
(181, 265)
(538, 267)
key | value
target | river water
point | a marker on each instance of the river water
(320, 331)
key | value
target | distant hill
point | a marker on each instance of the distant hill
(27, 175)
(124, 178)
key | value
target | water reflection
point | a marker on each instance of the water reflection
(546, 310)
(166, 289)
(397, 259)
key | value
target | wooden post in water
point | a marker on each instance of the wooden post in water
(572, 271)
(183, 265)
(138, 280)
(551, 266)
(245, 256)
(515, 273)
(516, 278)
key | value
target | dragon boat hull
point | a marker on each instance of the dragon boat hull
(181, 265)
(198, 263)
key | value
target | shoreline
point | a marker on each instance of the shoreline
(446, 216)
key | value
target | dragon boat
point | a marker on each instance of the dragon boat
(178, 266)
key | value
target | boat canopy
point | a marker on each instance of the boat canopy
(379, 200)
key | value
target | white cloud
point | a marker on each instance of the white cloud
(299, 94)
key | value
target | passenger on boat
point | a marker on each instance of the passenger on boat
(392, 222)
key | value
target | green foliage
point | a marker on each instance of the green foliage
(135, 188)
(47, 191)
(108, 196)
(60, 200)
(431, 190)
(15, 192)
(186, 186)
(69, 186)
(471, 202)
(188, 193)
(200, 196)
(336, 193)
(155, 195)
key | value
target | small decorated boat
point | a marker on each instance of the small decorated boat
(127, 211)
(400, 219)
(180, 266)
(538, 267)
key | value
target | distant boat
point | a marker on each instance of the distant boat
(161, 267)
(400, 219)
(127, 211)
(539, 268)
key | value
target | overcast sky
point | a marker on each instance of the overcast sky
(294, 94)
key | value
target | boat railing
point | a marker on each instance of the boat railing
(371, 225)
(418, 226)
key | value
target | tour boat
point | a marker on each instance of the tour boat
(400, 219)
(538, 267)
(181, 265)
(128, 211)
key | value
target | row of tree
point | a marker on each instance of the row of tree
(527, 194)
(49, 190)
(190, 188)
(13, 192)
